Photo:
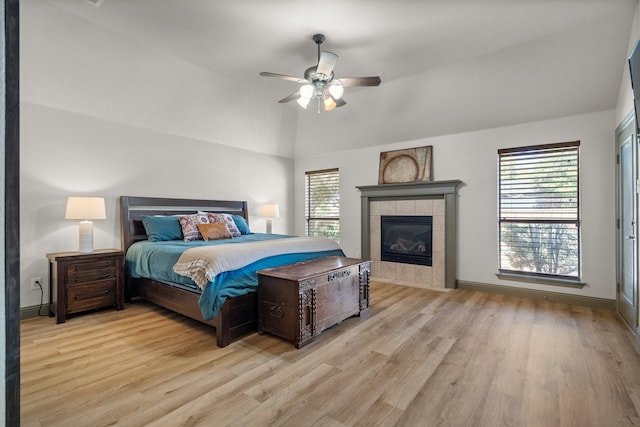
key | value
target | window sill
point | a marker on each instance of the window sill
(541, 280)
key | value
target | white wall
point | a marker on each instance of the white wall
(517, 84)
(472, 158)
(625, 96)
(103, 116)
(74, 65)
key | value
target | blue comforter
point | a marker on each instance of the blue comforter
(155, 260)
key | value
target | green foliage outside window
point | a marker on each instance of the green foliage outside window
(539, 210)
(541, 248)
(322, 203)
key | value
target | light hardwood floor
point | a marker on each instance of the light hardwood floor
(423, 358)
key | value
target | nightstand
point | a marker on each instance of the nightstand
(85, 281)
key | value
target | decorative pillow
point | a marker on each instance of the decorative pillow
(161, 228)
(226, 219)
(189, 224)
(216, 231)
(242, 225)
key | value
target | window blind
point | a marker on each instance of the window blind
(322, 203)
(539, 210)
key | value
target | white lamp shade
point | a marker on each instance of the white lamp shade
(270, 211)
(303, 102)
(329, 103)
(307, 91)
(336, 90)
(85, 208)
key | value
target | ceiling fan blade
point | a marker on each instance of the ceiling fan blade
(360, 81)
(326, 63)
(283, 77)
(294, 95)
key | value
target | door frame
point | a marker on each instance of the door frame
(11, 213)
(628, 121)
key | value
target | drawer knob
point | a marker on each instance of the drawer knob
(276, 312)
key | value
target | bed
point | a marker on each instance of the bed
(236, 314)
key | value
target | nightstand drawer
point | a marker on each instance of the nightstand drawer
(89, 271)
(90, 276)
(90, 296)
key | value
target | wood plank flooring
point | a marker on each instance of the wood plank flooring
(423, 358)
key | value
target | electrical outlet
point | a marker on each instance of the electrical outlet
(34, 283)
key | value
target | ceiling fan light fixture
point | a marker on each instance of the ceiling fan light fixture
(329, 103)
(336, 90)
(303, 102)
(319, 83)
(307, 91)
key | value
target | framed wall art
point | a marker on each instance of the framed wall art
(407, 165)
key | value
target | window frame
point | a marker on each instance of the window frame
(309, 201)
(533, 276)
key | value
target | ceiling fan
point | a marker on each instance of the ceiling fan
(319, 81)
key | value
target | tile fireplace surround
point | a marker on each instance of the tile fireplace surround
(434, 198)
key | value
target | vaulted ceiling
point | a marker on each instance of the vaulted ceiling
(447, 66)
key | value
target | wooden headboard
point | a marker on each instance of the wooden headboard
(132, 209)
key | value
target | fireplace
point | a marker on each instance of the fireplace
(435, 198)
(406, 239)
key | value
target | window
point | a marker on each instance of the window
(539, 211)
(322, 203)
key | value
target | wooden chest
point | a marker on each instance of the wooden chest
(298, 301)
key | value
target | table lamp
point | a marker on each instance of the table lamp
(85, 209)
(269, 211)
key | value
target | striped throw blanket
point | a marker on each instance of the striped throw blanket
(203, 263)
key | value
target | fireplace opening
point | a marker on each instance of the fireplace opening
(406, 239)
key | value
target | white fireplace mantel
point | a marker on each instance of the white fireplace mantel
(446, 190)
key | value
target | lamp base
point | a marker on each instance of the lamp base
(269, 225)
(85, 237)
